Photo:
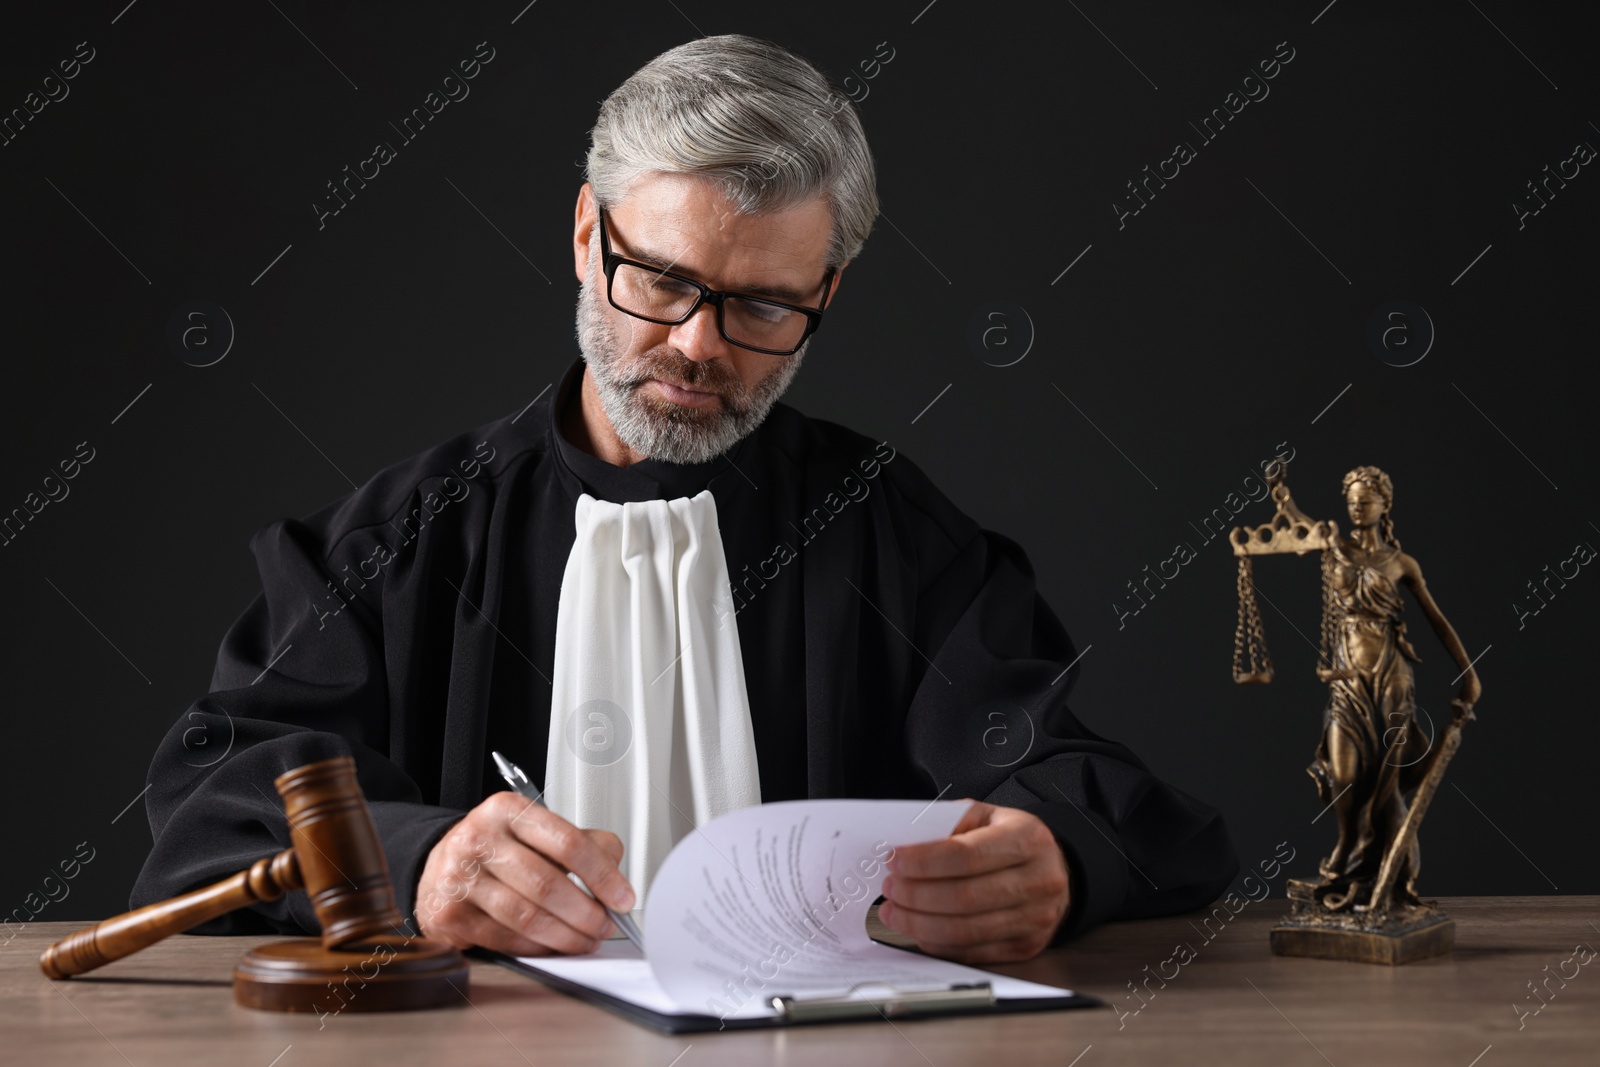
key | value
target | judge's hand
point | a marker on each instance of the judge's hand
(994, 891)
(498, 879)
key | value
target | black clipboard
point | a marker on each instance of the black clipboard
(975, 999)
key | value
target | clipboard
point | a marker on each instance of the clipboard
(976, 998)
(805, 879)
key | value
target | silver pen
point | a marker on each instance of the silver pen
(517, 778)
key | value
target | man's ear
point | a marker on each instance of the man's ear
(838, 279)
(584, 215)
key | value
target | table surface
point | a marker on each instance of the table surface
(1233, 1003)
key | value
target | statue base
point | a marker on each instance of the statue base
(1401, 935)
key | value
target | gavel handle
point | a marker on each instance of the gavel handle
(123, 935)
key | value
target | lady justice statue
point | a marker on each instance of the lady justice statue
(1374, 767)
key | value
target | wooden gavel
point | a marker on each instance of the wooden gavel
(338, 860)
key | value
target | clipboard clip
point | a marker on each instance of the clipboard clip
(861, 1003)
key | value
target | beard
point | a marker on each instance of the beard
(647, 422)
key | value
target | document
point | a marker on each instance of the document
(772, 900)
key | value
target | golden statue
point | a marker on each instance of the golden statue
(1374, 767)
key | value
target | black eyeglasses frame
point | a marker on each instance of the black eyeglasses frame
(610, 261)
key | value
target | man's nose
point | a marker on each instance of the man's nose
(698, 338)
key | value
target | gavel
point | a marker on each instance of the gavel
(337, 858)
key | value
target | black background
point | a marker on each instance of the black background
(1229, 315)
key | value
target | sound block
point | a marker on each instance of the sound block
(1394, 940)
(378, 974)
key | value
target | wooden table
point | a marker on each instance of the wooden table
(1234, 1004)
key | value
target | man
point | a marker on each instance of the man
(675, 596)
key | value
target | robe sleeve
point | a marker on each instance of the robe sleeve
(1135, 845)
(299, 677)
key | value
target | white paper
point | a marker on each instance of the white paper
(772, 900)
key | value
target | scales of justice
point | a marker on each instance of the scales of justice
(1373, 767)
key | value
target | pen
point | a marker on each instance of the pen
(517, 778)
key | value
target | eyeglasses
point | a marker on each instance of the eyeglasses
(752, 322)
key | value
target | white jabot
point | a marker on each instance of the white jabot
(650, 731)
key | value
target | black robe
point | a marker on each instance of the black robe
(891, 648)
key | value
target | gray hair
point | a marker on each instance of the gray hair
(753, 117)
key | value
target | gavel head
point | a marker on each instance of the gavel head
(338, 852)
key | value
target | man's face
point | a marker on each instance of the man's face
(682, 393)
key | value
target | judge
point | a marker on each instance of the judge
(672, 595)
